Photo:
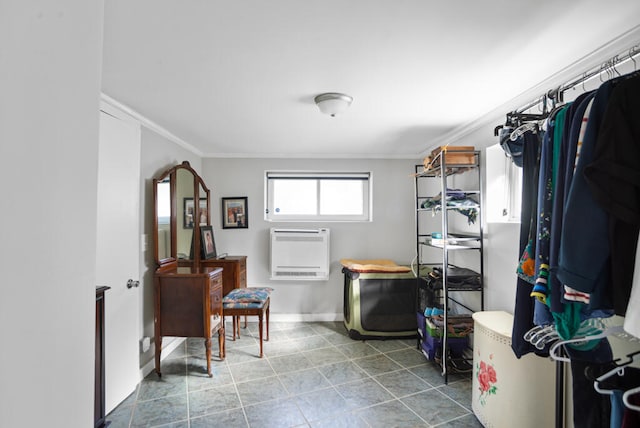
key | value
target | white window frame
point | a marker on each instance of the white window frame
(503, 187)
(272, 176)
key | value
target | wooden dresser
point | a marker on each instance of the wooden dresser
(234, 273)
(188, 303)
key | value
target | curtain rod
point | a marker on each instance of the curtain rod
(608, 67)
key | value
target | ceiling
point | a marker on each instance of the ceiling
(238, 78)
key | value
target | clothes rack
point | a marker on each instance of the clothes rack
(605, 71)
(557, 95)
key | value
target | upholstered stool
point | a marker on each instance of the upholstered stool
(247, 301)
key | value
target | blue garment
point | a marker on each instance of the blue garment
(617, 408)
(584, 246)
(543, 213)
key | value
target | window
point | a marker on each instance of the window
(504, 187)
(318, 196)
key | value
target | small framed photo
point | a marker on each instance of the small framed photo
(234, 213)
(190, 215)
(207, 242)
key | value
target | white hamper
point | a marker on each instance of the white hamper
(507, 391)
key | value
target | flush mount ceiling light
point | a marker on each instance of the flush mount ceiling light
(333, 103)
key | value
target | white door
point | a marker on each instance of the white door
(118, 237)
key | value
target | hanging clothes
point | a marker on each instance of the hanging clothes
(614, 181)
(524, 304)
(584, 247)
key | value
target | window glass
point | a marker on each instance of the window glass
(295, 197)
(317, 196)
(341, 197)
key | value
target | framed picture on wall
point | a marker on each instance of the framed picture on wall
(234, 213)
(207, 242)
(190, 215)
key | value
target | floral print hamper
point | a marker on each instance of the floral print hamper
(504, 387)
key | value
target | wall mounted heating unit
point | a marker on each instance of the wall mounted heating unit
(299, 254)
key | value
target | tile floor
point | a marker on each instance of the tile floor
(312, 375)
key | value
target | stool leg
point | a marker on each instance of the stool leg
(221, 344)
(268, 307)
(260, 327)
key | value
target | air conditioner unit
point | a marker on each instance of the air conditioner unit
(299, 254)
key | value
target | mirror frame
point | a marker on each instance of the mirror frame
(199, 187)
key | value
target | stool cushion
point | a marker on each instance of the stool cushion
(252, 297)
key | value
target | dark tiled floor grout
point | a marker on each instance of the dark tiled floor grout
(312, 375)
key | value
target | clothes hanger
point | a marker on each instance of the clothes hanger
(627, 395)
(617, 370)
(542, 336)
(522, 129)
(529, 334)
(610, 331)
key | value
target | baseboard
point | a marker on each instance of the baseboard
(305, 317)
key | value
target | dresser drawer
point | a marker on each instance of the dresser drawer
(215, 293)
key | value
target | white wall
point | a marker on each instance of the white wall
(391, 234)
(50, 57)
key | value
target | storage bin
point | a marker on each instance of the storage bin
(453, 155)
(508, 391)
(430, 345)
(379, 305)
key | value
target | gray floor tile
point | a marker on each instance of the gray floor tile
(431, 373)
(327, 327)
(257, 391)
(324, 356)
(357, 349)
(312, 375)
(213, 400)
(312, 342)
(286, 347)
(322, 404)
(363, 393)
(289, 363)
(402, 383)
(467, 421)
(304, 381)
(387, 345)
(274, 414)
(344, 371)
(229, 419)
(377, 364)
(434, 406)
(160, 411)
(408, 357)
(459, 391)
(197, 377)
(345, 420)
(153, 387)
(391, 414)
(120, 417)
(300, 331)
(251, 370)
(338, 338)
